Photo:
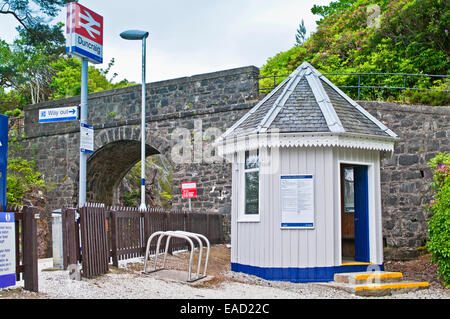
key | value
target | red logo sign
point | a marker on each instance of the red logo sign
(84, 36)
(189, 190)
(87, 23)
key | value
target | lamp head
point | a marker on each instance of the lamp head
(134, 35)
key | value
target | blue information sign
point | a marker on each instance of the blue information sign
(3, 157)
(7, 250)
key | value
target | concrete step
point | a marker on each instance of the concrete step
(377, 283)
(368, 277)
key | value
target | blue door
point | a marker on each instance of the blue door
(361, 214)
(3, 158)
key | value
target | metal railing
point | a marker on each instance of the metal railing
(405, 77)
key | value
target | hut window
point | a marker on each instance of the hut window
(349, 192)
(251, 173)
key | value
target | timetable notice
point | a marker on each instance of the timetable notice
(7, 250)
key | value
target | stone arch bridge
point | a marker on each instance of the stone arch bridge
(192, 111)
(183, 117)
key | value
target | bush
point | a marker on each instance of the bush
(439, 223)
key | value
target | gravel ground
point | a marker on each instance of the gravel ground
(127, 282)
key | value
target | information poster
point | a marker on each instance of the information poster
(297, 201)
(7, 250)
(87, 138)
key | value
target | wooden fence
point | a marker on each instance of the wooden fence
(26, 245)
(124, 232)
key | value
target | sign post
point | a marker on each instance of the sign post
(3, 158)
(84, 39)
(189, 190)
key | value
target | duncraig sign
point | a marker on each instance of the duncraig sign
(84, 34)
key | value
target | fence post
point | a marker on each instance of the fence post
(359, 86)
(114, 239)
(18, 216)
(30, 257)
(404, 87)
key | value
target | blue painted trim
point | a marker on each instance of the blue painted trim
(7, 280)
(362, 247)
(143, 182)
(308, 225)
(298, 275)
(86, 126)
(62, 119)
(7, 217)
(92, 57)
(297, 177)
(83, 150)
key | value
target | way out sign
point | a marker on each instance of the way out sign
(7, 250)
(84, 34)
(189, 190)
(61, 114)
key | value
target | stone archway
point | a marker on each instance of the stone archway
(108, 165)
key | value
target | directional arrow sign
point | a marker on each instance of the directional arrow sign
(61, 114)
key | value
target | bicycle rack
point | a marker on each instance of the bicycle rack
(183, 235)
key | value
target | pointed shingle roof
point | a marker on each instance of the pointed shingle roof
(307, 102)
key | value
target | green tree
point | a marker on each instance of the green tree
(411, 37)
(34, 16)
(300, 37)
(21, 174)
(332, 8)
(66, 81)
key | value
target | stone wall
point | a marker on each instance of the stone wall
(200, 106)
(206, 105)
(424, 131)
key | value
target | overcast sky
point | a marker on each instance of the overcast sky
(192, 37)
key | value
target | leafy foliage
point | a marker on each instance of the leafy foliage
(33, 68)
(159, 187)
(439, 223)
(21, 174)
(66, 82)
(408, 37)
(32, 22)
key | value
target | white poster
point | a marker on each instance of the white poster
(297, 201)
(86, 138)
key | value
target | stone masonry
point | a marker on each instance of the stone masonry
(424, 132)
(183, 118)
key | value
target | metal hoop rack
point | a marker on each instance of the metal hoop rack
(189, 237)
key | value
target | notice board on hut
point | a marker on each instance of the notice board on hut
(297, 201)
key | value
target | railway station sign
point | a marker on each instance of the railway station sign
(84, 33)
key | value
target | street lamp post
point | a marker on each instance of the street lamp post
(140, 35)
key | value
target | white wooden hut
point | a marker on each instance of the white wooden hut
(306, 199)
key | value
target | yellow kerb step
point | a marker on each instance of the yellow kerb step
(393, 286)
(379, 275)
(357, 264)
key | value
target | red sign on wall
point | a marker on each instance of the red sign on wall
(189, 190)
